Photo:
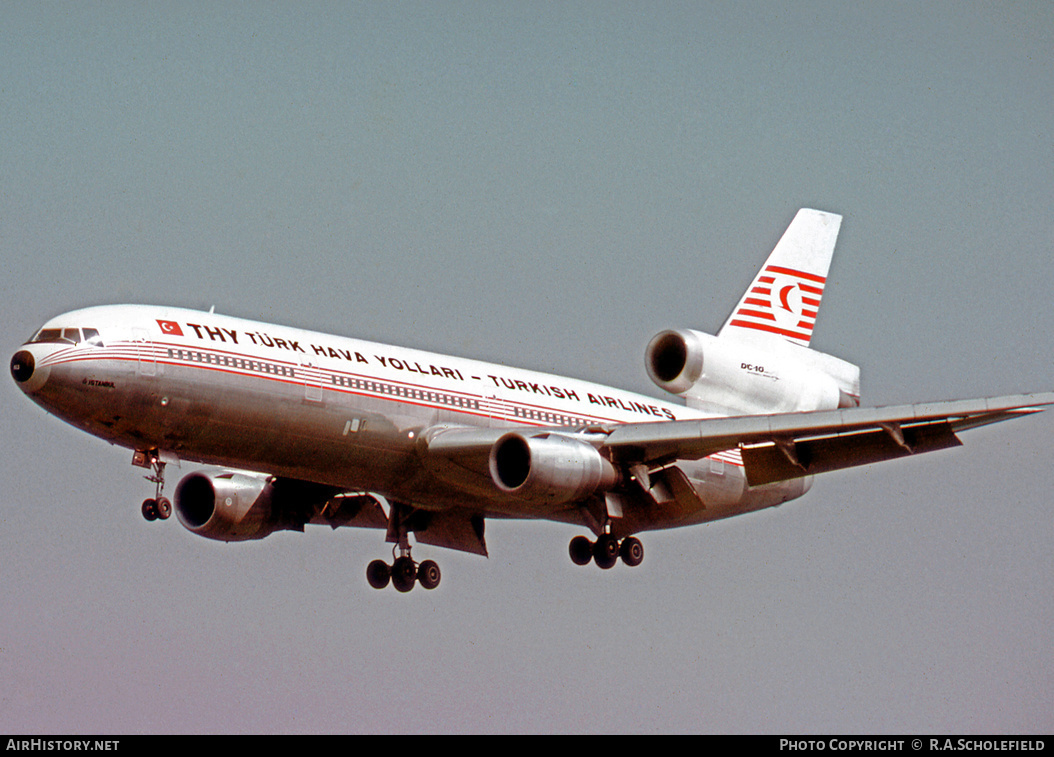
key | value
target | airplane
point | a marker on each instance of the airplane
(313, 428)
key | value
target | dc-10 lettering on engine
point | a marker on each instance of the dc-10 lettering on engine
(311, 428)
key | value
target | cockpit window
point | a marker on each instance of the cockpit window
(68, 336)
(91, 337)
(48, 335)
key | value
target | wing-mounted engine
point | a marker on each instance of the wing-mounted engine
(235, 506)
(227, 506)
(549, 468)
(728, 376)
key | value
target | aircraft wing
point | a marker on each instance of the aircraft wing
(791, 445)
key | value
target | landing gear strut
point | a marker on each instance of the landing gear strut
(606, 551)
(403, 573)
(158, 507)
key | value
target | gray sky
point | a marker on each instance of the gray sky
(543, 185)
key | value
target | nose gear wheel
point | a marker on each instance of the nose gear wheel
(156, 507)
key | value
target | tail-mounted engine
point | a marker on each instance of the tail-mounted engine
(227, 506)
(549, 468)
(730, 377)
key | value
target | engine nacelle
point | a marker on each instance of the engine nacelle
(226, 506)
(732, 377)
(550, 468)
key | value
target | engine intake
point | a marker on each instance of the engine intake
(550, 468)
(728, 376)
(226, 506)
(674, 360)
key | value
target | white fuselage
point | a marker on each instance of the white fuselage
(328, 409)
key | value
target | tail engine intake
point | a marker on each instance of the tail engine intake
(727, 376)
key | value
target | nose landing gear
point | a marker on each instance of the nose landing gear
(157, 507)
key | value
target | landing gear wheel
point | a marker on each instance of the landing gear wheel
(581, 550)
(164, 508)
(605, 551)
(150, 509)
(632, 551)
(404, 574)
(378, 574)
(157, 506)
(428, 574)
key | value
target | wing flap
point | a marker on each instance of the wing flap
(358, 510)
(838, 438)
(672, 487)
(458, 530)
(776, 447)
(771, 462)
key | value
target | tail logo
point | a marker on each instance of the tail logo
(782, 301)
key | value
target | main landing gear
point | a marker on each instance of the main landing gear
(157, 507)
(403, 573)
(606, 551)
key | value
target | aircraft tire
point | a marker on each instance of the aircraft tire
(378, 574)
(150, 509)
(605, 551)
(428, 574)
(581, 550)
(631, 551)
(404, 574)
(164, 508)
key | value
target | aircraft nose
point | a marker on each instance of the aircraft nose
(22, 366)
(27, 371)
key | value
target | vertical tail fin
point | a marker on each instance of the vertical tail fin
(784, 298)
